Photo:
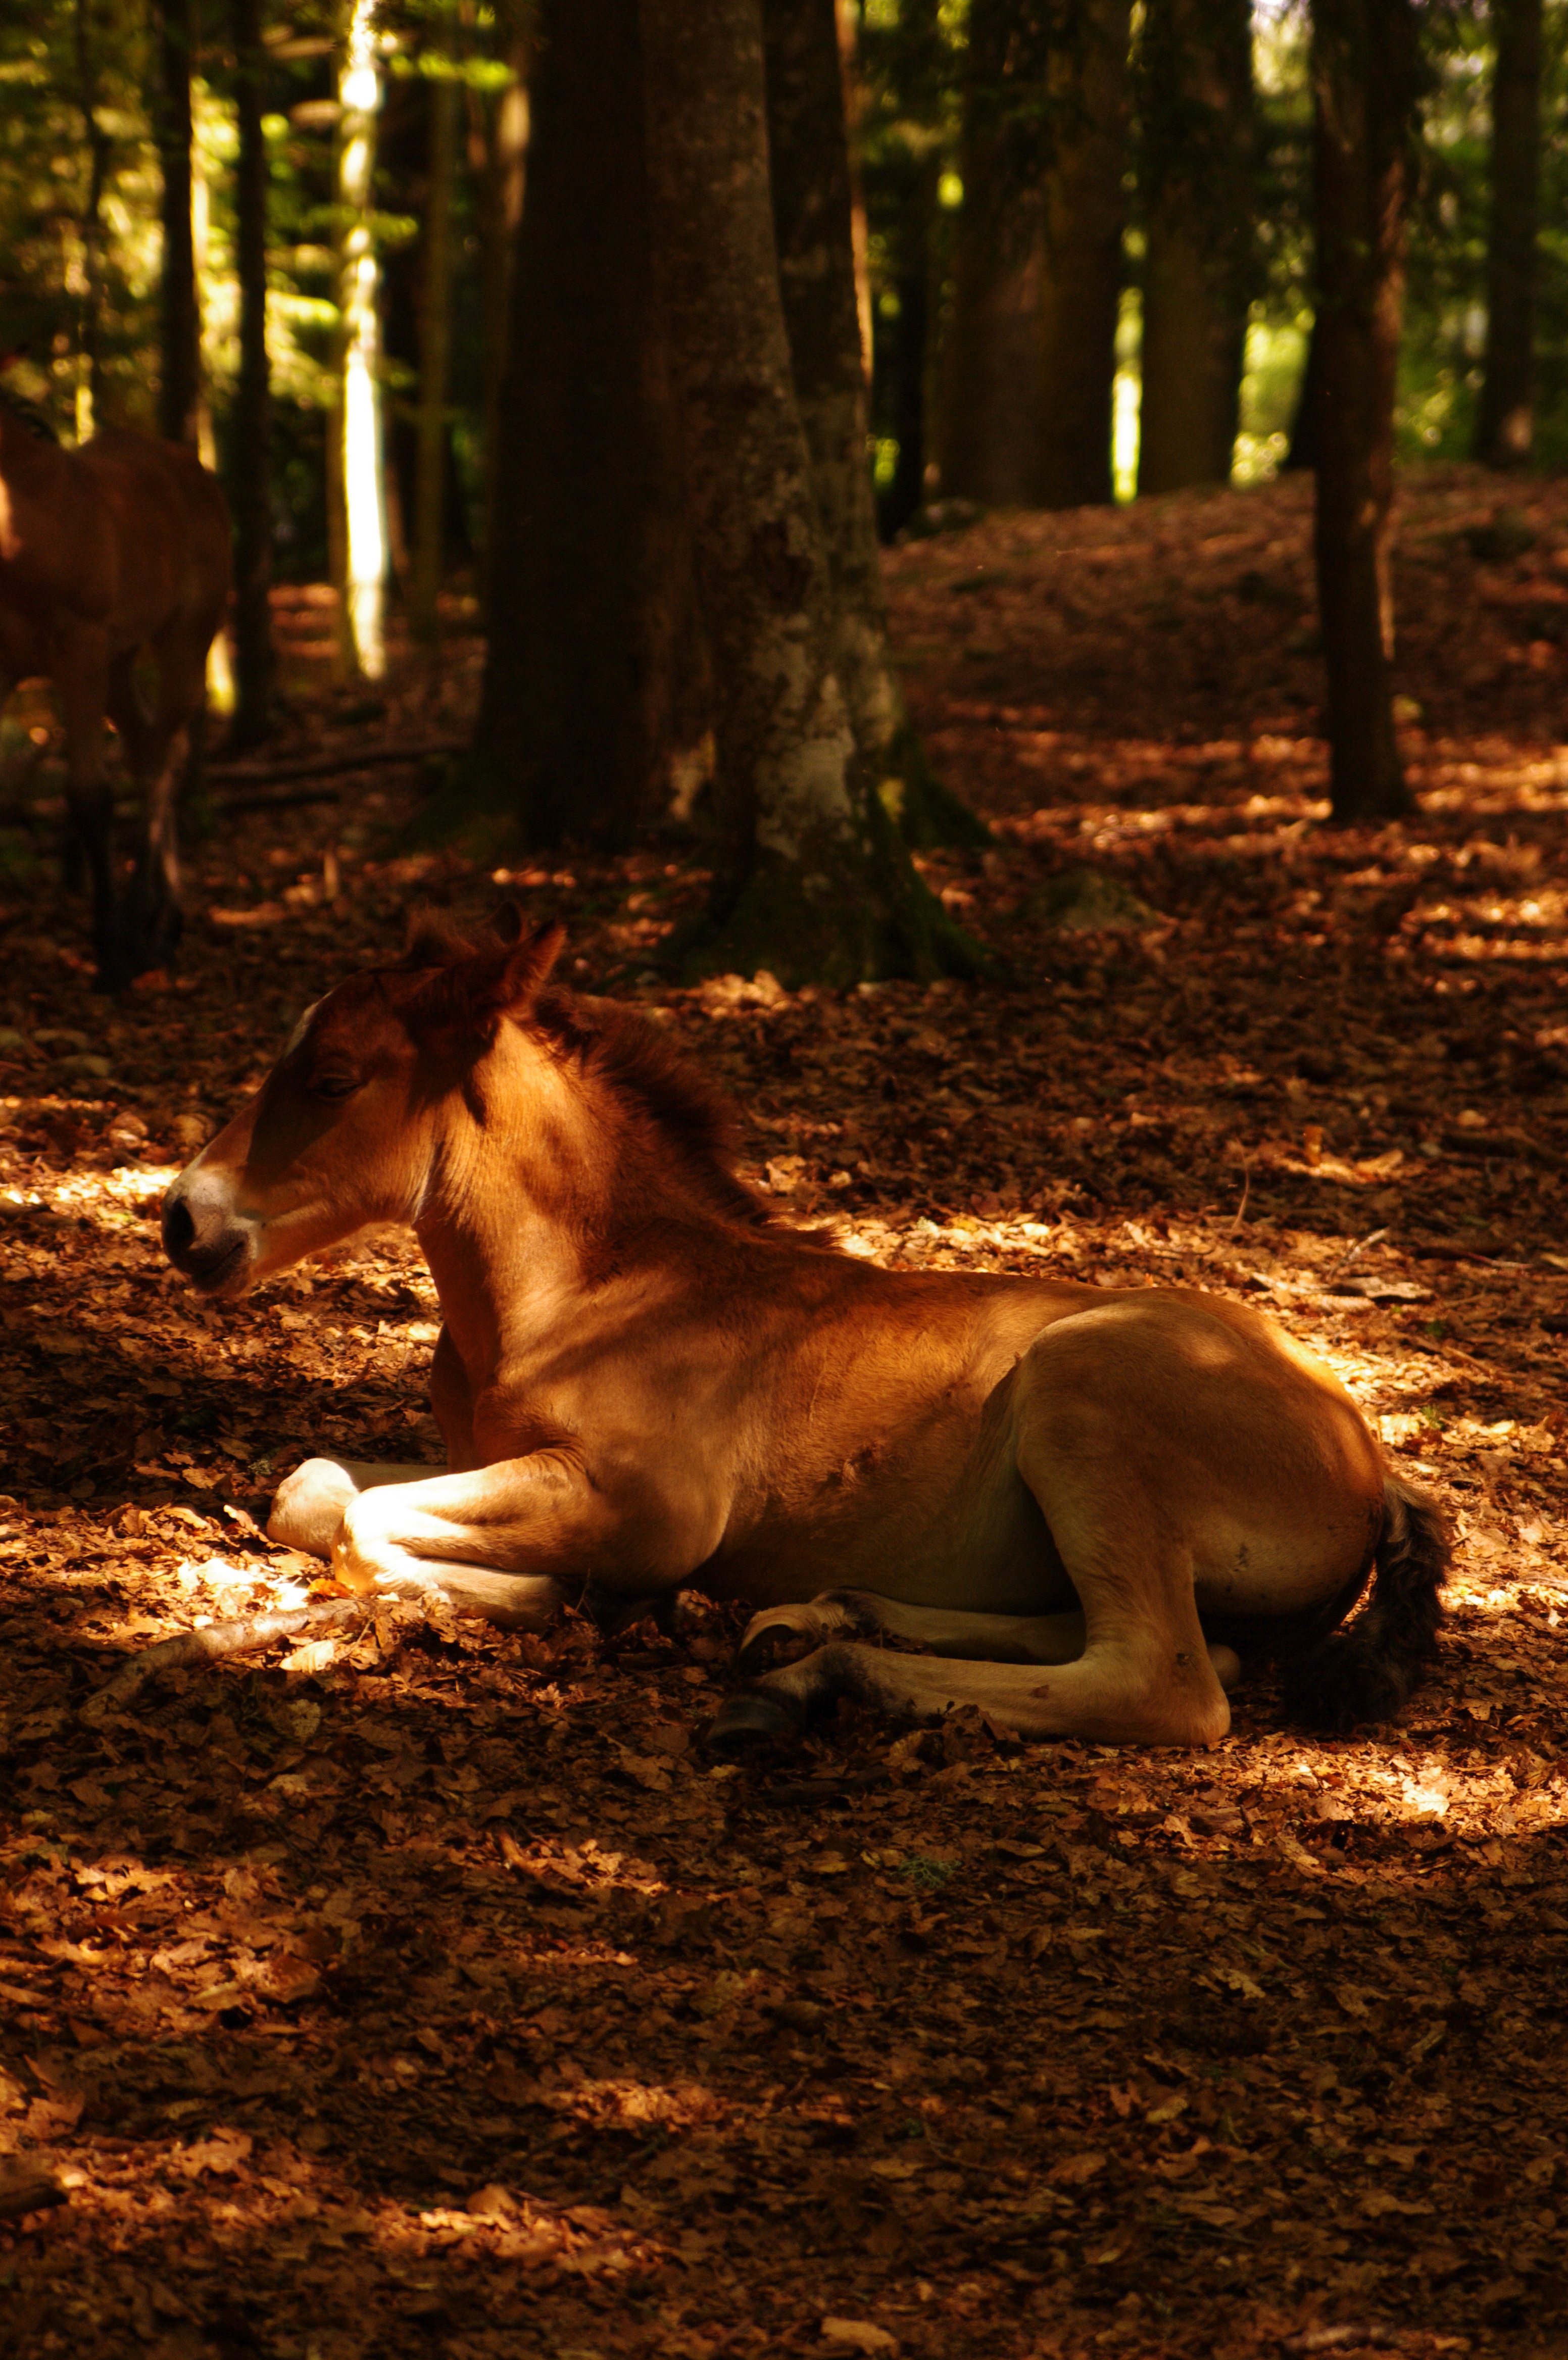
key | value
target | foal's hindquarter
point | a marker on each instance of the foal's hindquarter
(644, 1384)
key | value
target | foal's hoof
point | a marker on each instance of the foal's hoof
(744, 1723)
(781, 1634)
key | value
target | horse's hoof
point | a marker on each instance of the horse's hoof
(746, 1722)
(777, 1636)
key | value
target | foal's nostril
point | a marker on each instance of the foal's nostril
(179, 1229)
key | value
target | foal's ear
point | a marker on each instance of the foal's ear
(527, 970)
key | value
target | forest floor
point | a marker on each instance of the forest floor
(425, 1988)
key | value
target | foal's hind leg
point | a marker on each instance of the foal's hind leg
(973, 1638)
(1096, 1439)
(861, 1613)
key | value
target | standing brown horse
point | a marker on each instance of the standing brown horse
(644, 1382)
(108, 553)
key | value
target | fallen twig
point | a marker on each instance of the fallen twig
(1373, 1237)
(25, 2187)
(328, 766)
(820, 1790)
(217, 1640)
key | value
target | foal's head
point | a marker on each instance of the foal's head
(394, 1089)
(346, 1126)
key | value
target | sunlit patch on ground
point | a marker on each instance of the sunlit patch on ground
(417, 1985)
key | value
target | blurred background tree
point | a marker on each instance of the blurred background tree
(1087, 240)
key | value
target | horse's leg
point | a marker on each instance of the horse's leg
(80, 679)
(862, 1614)
(1103, 1434)
(158, 917)
(310, 1503)
(512, 1541)
(972, 1638)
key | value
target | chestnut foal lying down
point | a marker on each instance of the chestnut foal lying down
(1085, 1502)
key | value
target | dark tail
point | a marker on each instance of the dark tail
(1367, 1671)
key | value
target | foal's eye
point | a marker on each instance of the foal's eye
(334, 1086)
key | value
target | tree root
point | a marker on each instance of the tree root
(217, 1640)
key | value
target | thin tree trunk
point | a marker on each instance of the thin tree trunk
(592, 657)
(90, 333)
(902, 344)
(250, 421)
(810, 878)
(499, 130)
(1085, 214)
(1504, 426)
(859, 231)
(1304, 426)
(1363, 64)
(366, 538)
(179, 328)
(1199, 193)
(992, 397)
(434, 343)
(813, 212)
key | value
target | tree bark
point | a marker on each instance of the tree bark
(993, 406)
(90, 334)
(1198, 191)
(1085, 214)
(497, 166)
(251, 420)
(1505, 427)
(1363, 65)
(902, 345)
(434, 349)
(809, 878)
(589, 683)
(362, 606)
(813, 208)
(179, 325)
(1303, 451)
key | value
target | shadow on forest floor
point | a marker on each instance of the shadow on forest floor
(428, 1989)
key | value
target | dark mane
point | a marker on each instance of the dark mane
(626, 1051)
(642, 1070)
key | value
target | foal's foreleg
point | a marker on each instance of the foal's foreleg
(310, 1505)
(311, 1512)
(513, 1542)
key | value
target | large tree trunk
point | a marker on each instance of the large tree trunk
(993, 399)
(1085, 211)
(902, 345)
(1199, 188)
(179, 326)
(434, 349)
(1364, 62)
(497, 123)
(1505, 427)
(810, 878)
(592, 654)
(251, 420)
(812, 202)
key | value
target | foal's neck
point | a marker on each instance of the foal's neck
(555, 1189)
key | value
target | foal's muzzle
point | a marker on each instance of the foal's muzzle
(204, 1236)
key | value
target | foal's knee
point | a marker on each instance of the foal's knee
(310, 1506)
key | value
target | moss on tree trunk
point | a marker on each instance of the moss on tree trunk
(809, 876)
